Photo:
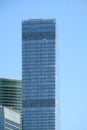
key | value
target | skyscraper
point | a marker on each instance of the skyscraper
(38, 74)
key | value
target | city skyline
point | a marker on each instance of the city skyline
(71, 17)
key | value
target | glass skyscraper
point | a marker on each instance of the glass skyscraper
(38, 74)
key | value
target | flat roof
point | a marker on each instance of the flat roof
(10, 79)
(39, 20)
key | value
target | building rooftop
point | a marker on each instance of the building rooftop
(39, 21)
(8, 79)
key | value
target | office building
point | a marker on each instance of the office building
(38, 74)
(10, 119)
(11, 93)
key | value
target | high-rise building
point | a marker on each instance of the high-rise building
(11, 93)
(38, 74)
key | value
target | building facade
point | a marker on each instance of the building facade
(11, 96)
(2, 120)
(38, 74)
(11, 93)
(10, 119)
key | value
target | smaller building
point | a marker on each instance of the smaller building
(12, 119)
(11, 93)
(11, 104)
(9, 119)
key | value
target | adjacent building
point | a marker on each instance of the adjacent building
(11, 93)
(11, 103)
(2, 122)
(10, 119)
(38, 74)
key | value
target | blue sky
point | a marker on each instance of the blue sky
(71, 20)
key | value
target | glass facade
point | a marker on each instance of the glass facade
(9, 119)
(38, 74)
(12, 119)
(11, 93)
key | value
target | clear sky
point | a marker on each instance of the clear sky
(71, 20)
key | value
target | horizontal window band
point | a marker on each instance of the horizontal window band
(38, 36)
(38, 103)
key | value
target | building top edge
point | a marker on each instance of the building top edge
(10, 79)
(10, 108)
(39, 20)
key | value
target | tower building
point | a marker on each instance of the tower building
(38, 74)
